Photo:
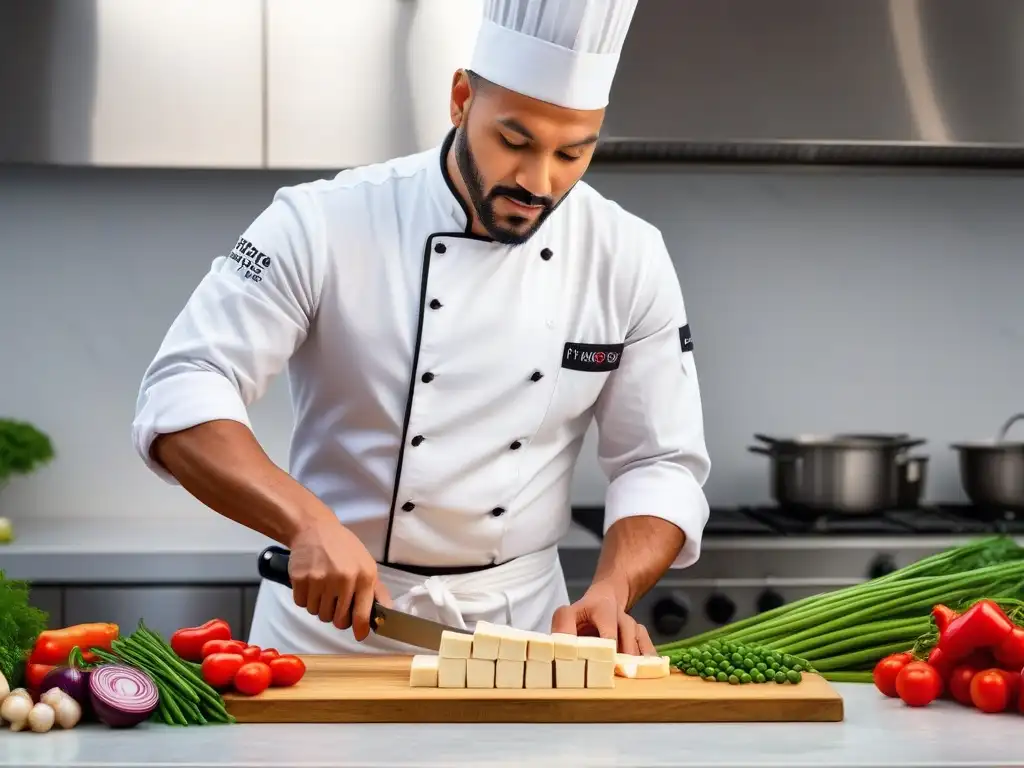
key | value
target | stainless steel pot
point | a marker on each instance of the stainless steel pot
(992, 471)
(852, 474)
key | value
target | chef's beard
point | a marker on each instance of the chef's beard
(483, 202)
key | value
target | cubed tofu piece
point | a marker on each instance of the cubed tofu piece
(514, 643)
(451, 673)
(641, 667)
(565, 646)
(570, 673)
(596, 648)
(509, 673)
(423, 673)
(479, 673)
(540, 647)
(486, 639)
(539, 674)
(455, 645)
(600, 674)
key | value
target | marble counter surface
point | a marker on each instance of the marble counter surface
(876, 732)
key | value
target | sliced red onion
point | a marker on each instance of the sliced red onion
(122, 696)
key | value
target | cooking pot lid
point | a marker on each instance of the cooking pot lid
(991, 444)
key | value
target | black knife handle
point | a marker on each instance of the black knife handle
(273, 566)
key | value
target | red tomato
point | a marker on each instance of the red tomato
(960, 683)
(219, 669)
(286, 670)
(252, 678)
(990, 691)
(918, 684)
(251, 653)
(221, 646)
(267, 654)
(941, 663)
(886, 671)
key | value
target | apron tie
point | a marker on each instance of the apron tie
(436, 590)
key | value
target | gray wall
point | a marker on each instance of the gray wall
(819, 301)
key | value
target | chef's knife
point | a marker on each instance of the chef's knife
(386, 622)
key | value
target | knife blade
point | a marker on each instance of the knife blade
(386, 622)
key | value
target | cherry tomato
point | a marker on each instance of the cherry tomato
(267, 654)
(252, 678)
(886, 671)
(918, 684)
(960, 683)
(219, 669)
(990, 691)
(286, 670)
(221, 646)
(941, 663)
(1012, 683)
(251, 653)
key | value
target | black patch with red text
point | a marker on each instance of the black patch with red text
(595, 358)
(685, 340)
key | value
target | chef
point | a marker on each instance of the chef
(451, 323)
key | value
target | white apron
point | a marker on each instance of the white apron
(524, 593)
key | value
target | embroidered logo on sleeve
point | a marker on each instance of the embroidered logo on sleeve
(685, 340)
(251, 262)
(595, 358)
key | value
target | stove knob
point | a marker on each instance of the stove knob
(882, 565)
(769, 600)
(720, 608)
(669, 615)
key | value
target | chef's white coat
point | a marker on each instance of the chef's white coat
(442, 382)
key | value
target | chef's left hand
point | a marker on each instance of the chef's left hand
(598, 613)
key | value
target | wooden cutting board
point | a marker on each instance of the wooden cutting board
(375, 689)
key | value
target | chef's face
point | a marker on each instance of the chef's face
(518, 157)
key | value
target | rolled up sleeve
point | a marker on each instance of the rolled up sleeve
(237, 330)
(650, 422)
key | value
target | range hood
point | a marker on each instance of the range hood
(285, 83)
(811, 81)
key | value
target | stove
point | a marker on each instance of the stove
(755, 558)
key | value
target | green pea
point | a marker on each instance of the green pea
(721, 677)
(745, 678)
(733, 680)
(793, 676)
(780, 677)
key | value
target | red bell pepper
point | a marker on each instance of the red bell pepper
(1010, 652)
(53, 646)
(943, 617)
(941, 663)
(984, 625)
(188, 642)
(34, 674)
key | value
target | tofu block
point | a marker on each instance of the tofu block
(539, 674)
(451, 673)
(596, 648)
(600, 674)
(423, 673)
(455, 645)
(641, 667)
(486, 639)
(570, 673)
(509, 673)
(540, 647)
(479, 673)
(565, 646)
(514, 643)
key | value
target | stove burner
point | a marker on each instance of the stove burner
(962, 519)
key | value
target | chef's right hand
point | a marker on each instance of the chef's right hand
(334, 577)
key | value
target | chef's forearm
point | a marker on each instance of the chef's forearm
(635, 555)
(223, 465)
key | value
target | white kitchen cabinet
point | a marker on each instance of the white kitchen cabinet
(164, 609)
(355, 83)
(134, 83)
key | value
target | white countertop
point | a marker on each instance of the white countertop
(876, 732)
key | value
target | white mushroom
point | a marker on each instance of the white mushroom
(15, 710)
(5, 688)
(41, 717)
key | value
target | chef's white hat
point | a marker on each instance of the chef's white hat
(561, 51)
